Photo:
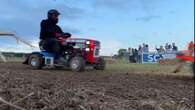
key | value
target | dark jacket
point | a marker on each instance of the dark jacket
(49, 29)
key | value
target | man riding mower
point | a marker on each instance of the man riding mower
(58, 49)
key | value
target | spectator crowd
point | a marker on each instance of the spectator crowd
(135, 54)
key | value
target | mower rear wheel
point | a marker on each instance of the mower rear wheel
(35, 61)
(77, 64)
(101, 65)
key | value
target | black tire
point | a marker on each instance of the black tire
(35, 61)
(77, 64)
(101, 65)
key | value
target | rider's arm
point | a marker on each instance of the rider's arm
(60, 33)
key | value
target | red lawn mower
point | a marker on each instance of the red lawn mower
(77, 54)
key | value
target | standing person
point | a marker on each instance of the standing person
(133, 58)
(157, 49)
(130, 53)
(146, 48)
(140, 51)
(174, 47)
(169, 48)
(136, 56)
(140, 48)
(166, 47)
(161, 50)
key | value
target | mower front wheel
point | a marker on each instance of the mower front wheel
(77, 64)
(101, 65)
(35, 61)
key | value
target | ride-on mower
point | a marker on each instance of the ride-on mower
(77, 53)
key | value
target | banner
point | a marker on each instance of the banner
(153, 57)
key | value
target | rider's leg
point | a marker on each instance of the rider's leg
(55, 46)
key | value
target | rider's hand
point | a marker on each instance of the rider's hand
(66, 35)
(58, 35)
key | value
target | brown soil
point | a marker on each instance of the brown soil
(51, 89)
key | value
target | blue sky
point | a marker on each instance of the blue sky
(116, 23)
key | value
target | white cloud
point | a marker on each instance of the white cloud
(20, 47)
(110, 47)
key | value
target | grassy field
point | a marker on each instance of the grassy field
(121, 66)
(155, 68)
(149, 68)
